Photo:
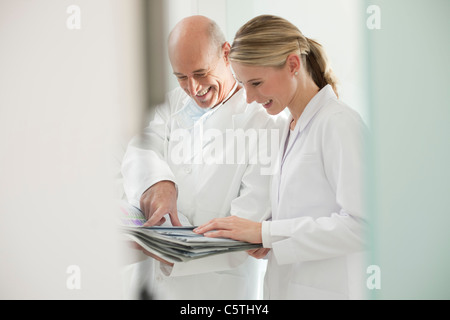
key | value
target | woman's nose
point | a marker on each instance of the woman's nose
(250, 95)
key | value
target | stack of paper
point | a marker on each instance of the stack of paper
(175, 244)
(179, 244)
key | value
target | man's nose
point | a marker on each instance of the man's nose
(192, 86)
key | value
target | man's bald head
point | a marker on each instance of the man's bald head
(196, 31)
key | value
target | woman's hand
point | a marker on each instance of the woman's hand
(232, 227)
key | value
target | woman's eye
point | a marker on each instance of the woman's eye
(255, 84)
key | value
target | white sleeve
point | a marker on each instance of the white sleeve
(144, 161)
(339, 233)
(253, 201)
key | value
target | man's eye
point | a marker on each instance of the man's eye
(181, 78)
(200, 75)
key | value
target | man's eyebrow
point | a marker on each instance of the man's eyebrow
(200, 70)
(196, 71)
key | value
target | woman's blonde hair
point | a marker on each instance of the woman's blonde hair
(268, 40)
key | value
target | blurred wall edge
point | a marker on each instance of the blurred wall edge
(73, 91)
(409, 180)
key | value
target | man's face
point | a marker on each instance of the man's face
(201, 72)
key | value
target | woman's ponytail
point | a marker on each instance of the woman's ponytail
(318, 66)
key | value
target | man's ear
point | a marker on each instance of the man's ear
(226, 47)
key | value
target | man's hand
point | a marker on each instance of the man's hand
(136, 246)
(258, 253)
(159, 200)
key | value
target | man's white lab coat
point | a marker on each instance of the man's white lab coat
(317, 228)
(213, 178)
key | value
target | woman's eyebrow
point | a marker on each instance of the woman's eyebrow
(252, 80)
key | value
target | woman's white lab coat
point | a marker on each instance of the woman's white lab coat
(205, 190)
(317, 228)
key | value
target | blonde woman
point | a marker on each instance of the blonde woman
(315, 239)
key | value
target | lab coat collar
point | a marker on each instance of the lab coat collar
(189, 124)
(232, 115)
(313, 106)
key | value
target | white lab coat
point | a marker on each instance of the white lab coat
(317, 229)
(205, 191)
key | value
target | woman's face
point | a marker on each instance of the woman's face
(272, 87)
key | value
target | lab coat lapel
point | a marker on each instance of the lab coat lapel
(277, 177)
(308, 114)
(311, 109)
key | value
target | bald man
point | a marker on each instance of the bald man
(178, 173)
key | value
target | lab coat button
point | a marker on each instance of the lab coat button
(187, 169)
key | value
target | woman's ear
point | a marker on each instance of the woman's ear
(293, 63)
(226, 47)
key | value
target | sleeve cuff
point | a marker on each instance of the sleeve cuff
(265, 234)
(152, 182)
